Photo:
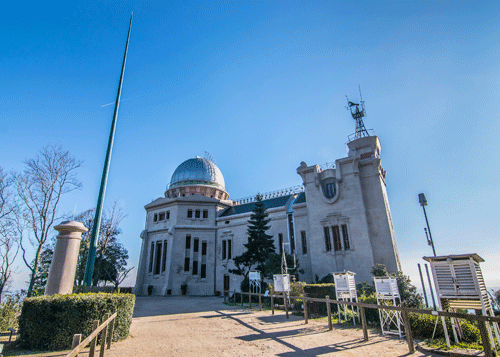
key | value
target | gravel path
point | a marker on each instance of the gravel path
(204, 326)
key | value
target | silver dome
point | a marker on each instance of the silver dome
(197, 171)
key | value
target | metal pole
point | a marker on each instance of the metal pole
(430, 241)
(89, 269)
(423, 285)
(430, 286)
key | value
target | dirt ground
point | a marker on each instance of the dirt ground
(204, 326)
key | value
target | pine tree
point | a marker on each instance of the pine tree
(260, 245)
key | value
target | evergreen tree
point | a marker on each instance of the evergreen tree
(260, 245)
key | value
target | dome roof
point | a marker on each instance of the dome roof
(197, 171)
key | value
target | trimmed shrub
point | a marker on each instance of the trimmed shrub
(320, 290)
(49, 322)
(372, 315)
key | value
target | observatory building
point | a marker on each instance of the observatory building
(338, 219)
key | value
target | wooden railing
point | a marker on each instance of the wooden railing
(489, 350)
(106, 329)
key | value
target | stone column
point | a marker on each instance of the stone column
(63, 267)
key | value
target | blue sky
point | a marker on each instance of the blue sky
(261, 86)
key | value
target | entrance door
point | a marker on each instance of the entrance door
(226, 285)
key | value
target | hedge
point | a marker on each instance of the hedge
(49, 322)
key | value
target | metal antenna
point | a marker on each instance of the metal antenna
(358, 115)
(208, 156)
(89, 269)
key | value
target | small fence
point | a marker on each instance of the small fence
(489, 350)
(106, 329)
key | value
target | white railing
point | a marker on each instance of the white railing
(327, 165)
(272, 194)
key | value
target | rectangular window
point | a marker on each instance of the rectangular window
(158, 258)
(188, 241)
(203, 248)
(203, 273)
(328, 242)
(190, 213)
(168, 214)
(205, 213)
(304, 242)
(223, 250)
(164, 258)
(336, 238)
(345, 235)
(280, 242)
(186, 264)
(195, 267)
(229, 249)
(291, 234)
(197, 213)
(155, 217)
(196, 243)
(151, 256)
(161, 216)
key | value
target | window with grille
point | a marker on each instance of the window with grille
(164, 258)
(158, 258)
(161, 216)
(155, 217)
(328, 242)
(336, 238)
(229, 249)
(190, 213)
(304, 241)
(223, 250)
(345, 236)
(151, 256)
(205, 213)
(197, 213)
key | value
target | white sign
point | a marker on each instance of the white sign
(254, 275)
(281, 282)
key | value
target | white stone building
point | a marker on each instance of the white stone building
(339, 219)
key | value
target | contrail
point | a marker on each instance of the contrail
(122, 100)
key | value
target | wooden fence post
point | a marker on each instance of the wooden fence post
(95, 325)
(104, 335)
(328, 310)
(110, 332)
(76, 341)
(286, 305)
(305, 312)
(488, 352)
(409, 337)
(363, 323)
(260, 301)
(272, 303)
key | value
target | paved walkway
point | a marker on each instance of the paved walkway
(204, 326)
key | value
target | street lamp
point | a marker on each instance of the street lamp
(423, 202)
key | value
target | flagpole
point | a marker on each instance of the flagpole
(89, 269)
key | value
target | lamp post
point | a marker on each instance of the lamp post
(423, 202)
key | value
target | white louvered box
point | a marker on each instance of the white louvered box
(345, 285)
(387, 288)
(459, 281)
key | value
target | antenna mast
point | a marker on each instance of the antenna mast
(358, 115)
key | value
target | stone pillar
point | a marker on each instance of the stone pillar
(63, 267)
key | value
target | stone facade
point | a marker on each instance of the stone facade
(339, 221)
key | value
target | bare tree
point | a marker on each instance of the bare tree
(40, 187)
(9, 230)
